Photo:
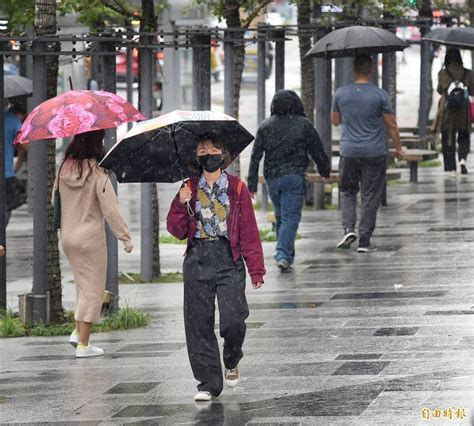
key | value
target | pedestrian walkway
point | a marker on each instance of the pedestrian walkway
(361, 339)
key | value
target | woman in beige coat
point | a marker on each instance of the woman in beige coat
(87, 198)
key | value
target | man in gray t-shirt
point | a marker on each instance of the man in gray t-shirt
(366, 115)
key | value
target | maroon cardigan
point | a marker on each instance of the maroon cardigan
(241, 226)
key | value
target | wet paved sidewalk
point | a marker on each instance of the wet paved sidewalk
(364, 339)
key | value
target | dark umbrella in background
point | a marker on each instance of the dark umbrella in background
(460, 37)
(163, 149)
(354, 40)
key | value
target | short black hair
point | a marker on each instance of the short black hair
(216, 142)
(18, 109)
(363, 64)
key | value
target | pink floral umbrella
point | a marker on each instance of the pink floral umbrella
(76, 111)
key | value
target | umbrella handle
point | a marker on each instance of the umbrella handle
(188, 204)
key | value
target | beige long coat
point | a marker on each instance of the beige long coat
(85, 203)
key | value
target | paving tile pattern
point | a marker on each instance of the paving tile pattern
(349, 339)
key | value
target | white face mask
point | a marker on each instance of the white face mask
(157, 94)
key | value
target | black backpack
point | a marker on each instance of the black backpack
(456, 99)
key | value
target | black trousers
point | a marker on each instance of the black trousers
(449, 149)
(209, 271)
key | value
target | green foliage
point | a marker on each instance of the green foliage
(135, 278)
(258, 206)
(169, 239)
(20, 14)
(96, 14)
(124, 319)
(429, 163)
(11, 326)
(267, 235)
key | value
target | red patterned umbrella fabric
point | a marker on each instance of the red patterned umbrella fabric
(76, 111)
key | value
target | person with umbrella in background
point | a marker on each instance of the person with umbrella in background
(214, 211)
(287, 139)
(83, 195)
(16, 193)
(87, 198)
(455, 84)
(365, 113)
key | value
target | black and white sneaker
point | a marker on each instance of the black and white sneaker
(463, 167)
(367, 249)
(284, 265)
(346, 242)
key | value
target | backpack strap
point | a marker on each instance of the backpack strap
(239, 187)
(454, 80)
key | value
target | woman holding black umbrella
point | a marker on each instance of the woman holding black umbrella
(214, 212)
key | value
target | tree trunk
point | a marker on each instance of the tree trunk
(232, 17)
(148, 24)
(307, 67)
(45, 23)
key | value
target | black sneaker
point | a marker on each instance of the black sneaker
(284, 266)
(367, 249)
(463, 169)
(346, 242)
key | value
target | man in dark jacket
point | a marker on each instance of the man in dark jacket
(287, 139)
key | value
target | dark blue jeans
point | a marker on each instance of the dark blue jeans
(287, 194)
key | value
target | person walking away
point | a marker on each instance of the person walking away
(455, 84)
(214, 212)
(365, 113)
(15, 192)
(87, 198)
(287, 139)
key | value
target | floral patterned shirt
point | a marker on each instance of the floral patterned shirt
(212, 208)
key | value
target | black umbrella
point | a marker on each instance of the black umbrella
(462, 37)
(163, 149)
(351, 41)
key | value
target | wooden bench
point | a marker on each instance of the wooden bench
(413, 157)
(392, 174)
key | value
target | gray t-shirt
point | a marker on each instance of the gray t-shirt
(361, 106)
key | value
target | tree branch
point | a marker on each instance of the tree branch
(119, 7)
(258, 9)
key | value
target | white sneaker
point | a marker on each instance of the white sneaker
(452, 173)
(88, 351)
(346, 242)
(74, 338)
(203, 396)
(232, 377)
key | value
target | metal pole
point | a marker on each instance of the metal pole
(229, 74)
(146, 107)
(261, 55)
(110, 85)
(129, 78)
(3, 199)
(201, 72)
(172, 91)
(37, 155)
(323, 89)
(279, 59)
(343, 71)
(423, 106)
(389, 77)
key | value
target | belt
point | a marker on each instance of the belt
(210, 239)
